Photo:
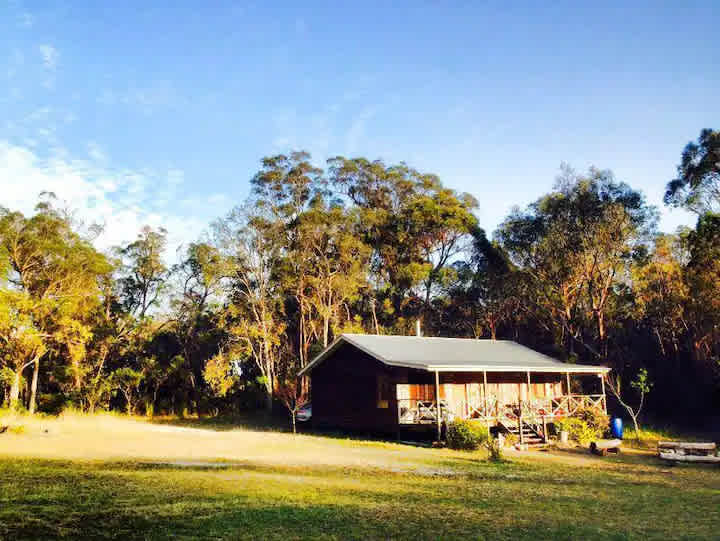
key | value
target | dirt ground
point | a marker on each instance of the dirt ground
(111, 438)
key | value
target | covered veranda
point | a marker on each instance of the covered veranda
(500, 397)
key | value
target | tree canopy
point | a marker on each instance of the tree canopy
(227, 322)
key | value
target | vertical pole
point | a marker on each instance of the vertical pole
(520, 421)
(485, 402)
(467, 402)
(437, 404)
(528, 384)
(604, 398)
(567, 376)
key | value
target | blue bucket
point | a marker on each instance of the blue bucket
(616, 428)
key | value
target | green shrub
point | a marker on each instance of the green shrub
(510, 439)
(466, 435)
(578, 429)
(597, 421)
(494, 449)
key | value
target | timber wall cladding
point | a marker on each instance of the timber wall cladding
(345, 392)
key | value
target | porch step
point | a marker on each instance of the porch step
(529, 435)
(533, 441)
(531, 446)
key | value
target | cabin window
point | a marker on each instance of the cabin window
(383, 391)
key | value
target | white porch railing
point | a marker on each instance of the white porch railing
(414, 411)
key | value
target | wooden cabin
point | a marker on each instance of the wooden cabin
(389, 383)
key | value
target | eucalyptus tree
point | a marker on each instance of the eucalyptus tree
(143, 271)
(442, 224)
(697, 185)
(253, 319)
(413, 224)
(57, 272)
(22, 342)
(702, 274)
(575, 246)
(199, 278)
(284, 189)
(337, 263)
(661, 293)
(484, 297)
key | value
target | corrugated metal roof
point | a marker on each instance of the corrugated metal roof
(454, 354)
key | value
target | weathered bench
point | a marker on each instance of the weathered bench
(682, 451)
(603, 447)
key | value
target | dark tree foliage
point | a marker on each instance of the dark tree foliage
(697, 185)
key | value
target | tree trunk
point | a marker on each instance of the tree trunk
(268, 401)
(15, 391)
(33, 387)
(154, 398)
(129, 404)
(292, 416)
(326, 330)
(193, 384)
(374, 315)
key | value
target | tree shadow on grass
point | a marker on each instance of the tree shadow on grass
(261, 422)
(255, 421)
(129, 500)
(51, 499)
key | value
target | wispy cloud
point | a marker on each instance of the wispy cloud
(324, 132)
(313, 132)
(14, 63)
(358, 126)
(50, 56)
(96, 152)
(26, 19)
(146, 98)
(121, 200)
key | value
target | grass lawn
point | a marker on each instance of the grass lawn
(106, 477)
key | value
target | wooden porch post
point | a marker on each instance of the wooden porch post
(528, 391)
(485, 401)
(604, 399)
(567, 376)
(467, 404)
(437, 404)
(520, 421)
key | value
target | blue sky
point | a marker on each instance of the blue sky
(139, 112)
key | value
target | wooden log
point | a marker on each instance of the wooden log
(602, 447)
(675, 457)
(697, 446)
(606, 444)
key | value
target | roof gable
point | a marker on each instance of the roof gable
(452, 354)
